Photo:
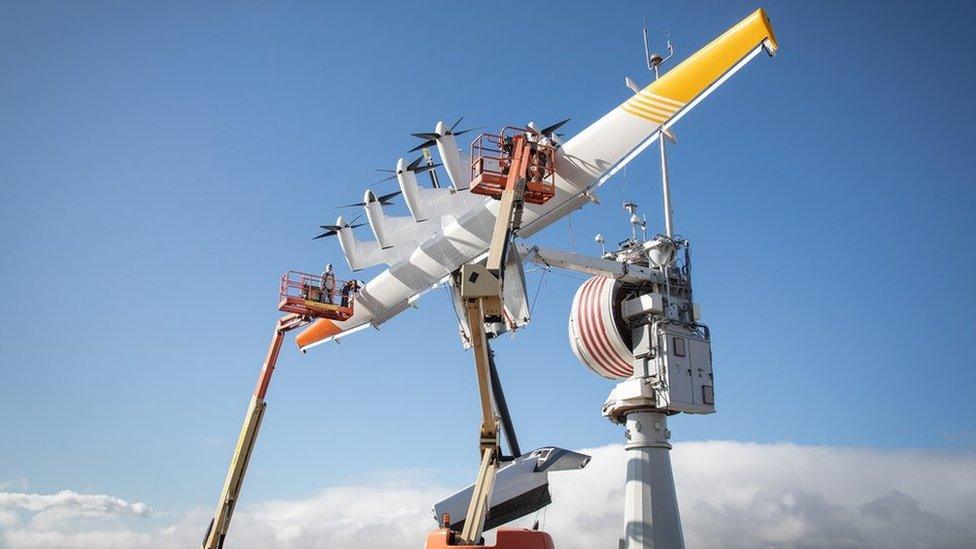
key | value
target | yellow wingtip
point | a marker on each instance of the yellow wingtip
(771, 44)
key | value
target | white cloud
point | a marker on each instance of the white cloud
(68, 503)
(735, 494)
(43, 520)
(731, 495)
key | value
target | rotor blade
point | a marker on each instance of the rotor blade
(455, 124)
(356, 205)
(430, 135)
(554, 127)
(462, 132)
(334, 229)
(355, 219)
(387, 178)
(387, 197)
(384, 171)
(413, 165)
(424, 169)
(424, 145)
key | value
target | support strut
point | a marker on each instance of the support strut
(508, 426)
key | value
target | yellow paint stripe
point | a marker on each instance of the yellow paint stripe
(657, 119)
(648, 115)
(650, 108)
(652, 101)
(656, 104)
(654, 107)
(653, 116)
(661, 98)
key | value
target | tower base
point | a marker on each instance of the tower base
(651, 519)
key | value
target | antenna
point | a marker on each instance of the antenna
(654, 62)
(647, 49)
(635, 221)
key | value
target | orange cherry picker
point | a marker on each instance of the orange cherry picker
(514, 167)
(304, 297)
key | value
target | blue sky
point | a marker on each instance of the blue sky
(160, 166)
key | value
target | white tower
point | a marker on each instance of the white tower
(635, 322)
(651, 516)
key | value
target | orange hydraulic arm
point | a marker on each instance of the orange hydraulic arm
(521, 151)
(510, 210)
(220, 523)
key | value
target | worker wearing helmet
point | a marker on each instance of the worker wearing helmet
(328, 283)
(348, 292)
(505, 162)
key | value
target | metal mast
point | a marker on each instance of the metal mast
(654, 62)
(651, 518)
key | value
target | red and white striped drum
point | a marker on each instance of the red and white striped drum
(595, 330)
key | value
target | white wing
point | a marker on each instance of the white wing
(583, 163)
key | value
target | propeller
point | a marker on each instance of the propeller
(430, 138)
(332, 230)
(384, 200)
(414, 167)
(548, 131)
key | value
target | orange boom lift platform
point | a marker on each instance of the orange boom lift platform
(512, 158)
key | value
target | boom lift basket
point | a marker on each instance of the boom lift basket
(493, 155)
(308, 295)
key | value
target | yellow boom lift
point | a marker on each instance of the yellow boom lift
(515, 166)
(304, 297)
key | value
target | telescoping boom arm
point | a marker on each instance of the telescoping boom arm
(481, 291)
(220, 523)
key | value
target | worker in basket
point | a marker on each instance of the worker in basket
(328, 283)
(349, 289)
(505, 162)
(538, 166)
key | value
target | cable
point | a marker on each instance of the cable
(572, 237)
(538, 290)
